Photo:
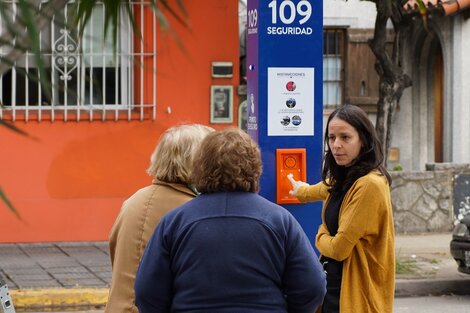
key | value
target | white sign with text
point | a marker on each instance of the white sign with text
(290, 101)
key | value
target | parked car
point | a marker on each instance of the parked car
(460, 244)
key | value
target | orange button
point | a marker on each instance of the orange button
(290, 162)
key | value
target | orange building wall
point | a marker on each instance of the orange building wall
(212, 36)
(69, 184)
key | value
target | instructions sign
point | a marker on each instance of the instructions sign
(290, 101)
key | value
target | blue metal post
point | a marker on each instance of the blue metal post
(284, 90)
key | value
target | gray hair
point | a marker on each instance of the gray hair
(172, 159)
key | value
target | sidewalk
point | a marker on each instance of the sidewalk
(75, 276)
(61, 276)
(427, 267)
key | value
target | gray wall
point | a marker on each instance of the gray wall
(423, 201)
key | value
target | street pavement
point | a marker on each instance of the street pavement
(75, 276)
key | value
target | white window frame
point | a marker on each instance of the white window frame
(69, 59)
(333, 68)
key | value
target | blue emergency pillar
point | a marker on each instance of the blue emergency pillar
(284, 95)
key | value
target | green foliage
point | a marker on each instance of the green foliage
(5, 200)
(423, 12)
(27, 16)
(405, 266)
(15, 129)
(33, 18)
(3, 196)
(397, 168)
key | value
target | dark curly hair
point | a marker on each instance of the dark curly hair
(371, 156)
(227, 160)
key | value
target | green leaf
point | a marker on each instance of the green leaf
(12, 127)
(17, 130)
(423, 12)
(181, 19)
(5, 200)
(165, 25)
(28, 20)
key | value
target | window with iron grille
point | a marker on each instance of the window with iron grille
(89, 79)
(333, 67)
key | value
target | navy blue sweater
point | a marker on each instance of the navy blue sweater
(229, 252)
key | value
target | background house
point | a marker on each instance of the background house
(95, 135)
(433, 124)
(432, 121)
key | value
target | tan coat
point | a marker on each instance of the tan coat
(365, 242)
(139, 216)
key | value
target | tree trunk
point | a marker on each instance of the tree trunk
(392, 80)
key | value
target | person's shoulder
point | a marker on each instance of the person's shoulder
(374, 176)
(373, 181)
(142, 191)
(141, 198)
(141, 195)
(271, 210)
(132, 209)
(138, 196)
(185, 212)
(260, 200)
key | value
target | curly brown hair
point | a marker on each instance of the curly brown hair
(227, 160)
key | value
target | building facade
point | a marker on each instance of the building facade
(91, 132)
(432, 123)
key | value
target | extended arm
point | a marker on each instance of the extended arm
(306, 193)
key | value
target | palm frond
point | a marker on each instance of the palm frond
(114, 10)
(165, 24)
(22, 28)
(21, 35)
(3, 196)
(17, 130)
(183, 20)
(34, 18)
(34, 39)
(8, 203)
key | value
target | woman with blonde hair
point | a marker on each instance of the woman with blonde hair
(171, 167)
(229, 249)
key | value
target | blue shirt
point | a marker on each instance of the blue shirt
(229, 252)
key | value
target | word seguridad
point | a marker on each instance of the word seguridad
(288, 30)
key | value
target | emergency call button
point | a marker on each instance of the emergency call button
(290, 161)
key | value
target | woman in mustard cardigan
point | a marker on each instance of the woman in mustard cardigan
(356, 237)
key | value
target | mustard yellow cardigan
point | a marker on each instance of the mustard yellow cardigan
(364, 241)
